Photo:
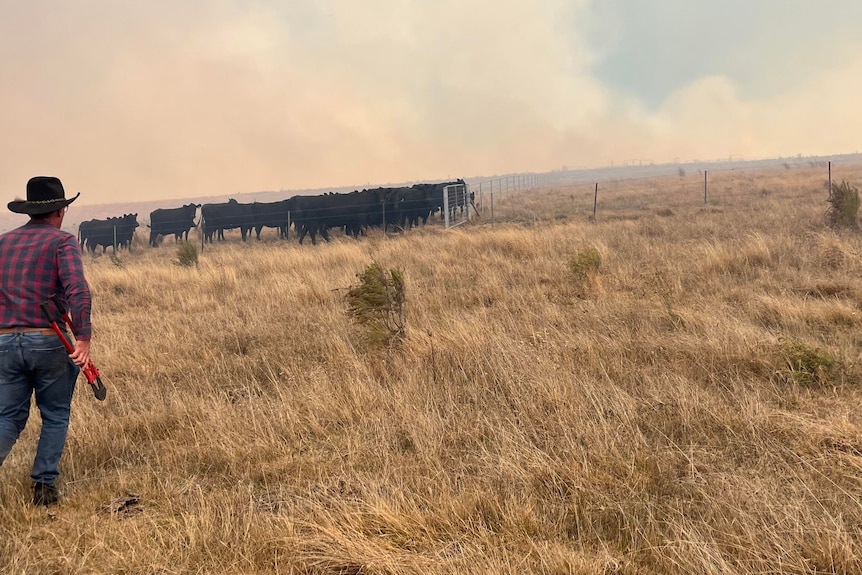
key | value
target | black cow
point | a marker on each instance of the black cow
(226, 216)
(457, 195)
(409, 205)
(354, 212)
(271, 215)
(115, 231)
(310, 215)
(384, 211)
(176, 221)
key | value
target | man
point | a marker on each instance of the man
(37, 261)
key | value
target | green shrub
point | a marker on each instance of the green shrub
(808, 366)
(187, 254)
(843, 206)
(378, 304)
(585, 264)
(584, 268)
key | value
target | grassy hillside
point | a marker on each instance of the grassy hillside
(672, 388)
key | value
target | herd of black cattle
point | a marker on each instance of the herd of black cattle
(354, 213)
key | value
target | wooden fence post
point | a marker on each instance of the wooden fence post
(704, 187)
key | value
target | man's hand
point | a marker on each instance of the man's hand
(81, 355)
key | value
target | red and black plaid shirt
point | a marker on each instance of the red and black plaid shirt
(37, 261)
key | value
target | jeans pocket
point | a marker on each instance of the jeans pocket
(46, 344)
(7, 355)
(47, 352)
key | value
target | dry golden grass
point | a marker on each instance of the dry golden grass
(690, 407)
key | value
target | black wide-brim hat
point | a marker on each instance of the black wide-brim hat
(45, 194)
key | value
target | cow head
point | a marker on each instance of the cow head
(189, 210)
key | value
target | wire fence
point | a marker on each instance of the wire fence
(587, 194)
(565, 195)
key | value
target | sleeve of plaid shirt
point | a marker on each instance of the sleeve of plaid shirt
(75, 287)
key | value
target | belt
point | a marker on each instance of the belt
(41, 330)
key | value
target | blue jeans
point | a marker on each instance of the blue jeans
(35, 362)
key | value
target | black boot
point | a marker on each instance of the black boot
(44, 494)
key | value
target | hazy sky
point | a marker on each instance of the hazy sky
(158, 99)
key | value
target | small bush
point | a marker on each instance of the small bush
(843, 206)
(584, 268)
(808, 366)
(377, 303)
(585, 264)
(187, 254)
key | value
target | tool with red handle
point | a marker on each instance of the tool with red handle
(90, 370)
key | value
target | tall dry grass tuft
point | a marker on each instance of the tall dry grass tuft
(693, 410)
